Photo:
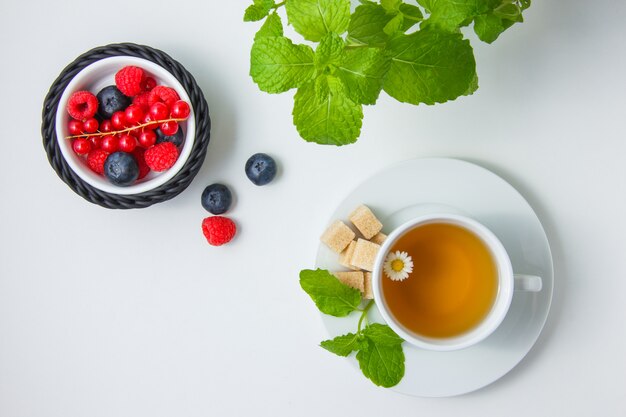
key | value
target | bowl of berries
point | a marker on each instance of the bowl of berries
(126, 130)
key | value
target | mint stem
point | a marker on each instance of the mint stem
(277, 5)
(364, 313)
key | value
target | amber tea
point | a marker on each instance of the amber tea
(453, 285)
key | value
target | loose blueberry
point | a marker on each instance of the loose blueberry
(177, 138)
(111, 100)
(261, 169)
(216, 199)
(121, 169)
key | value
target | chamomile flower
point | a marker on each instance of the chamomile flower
(398, 265)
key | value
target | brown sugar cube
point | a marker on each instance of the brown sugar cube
(346, 256)
(353, 279)
(364, 254)
(379, 238)
(365, 221)
(338, 236)
(367, 286)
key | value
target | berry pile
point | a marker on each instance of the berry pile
(128, 129)
(218, 230)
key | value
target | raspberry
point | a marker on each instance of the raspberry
(142, 101)
(163, 94)
(161, 157)
(218, 230)
(130, 80)
(138, 154)
(82, 105)
(95, 160)
(149, 83)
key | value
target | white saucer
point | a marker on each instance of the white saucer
(426, 185)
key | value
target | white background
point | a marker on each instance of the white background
(131, 313)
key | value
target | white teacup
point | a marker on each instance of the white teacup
(508, 282)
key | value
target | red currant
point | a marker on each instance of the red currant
(96, 142)
(169, 128)
(109, 144)
(106, 126)
(81, 146)
(134, 114)
(75, 127)
(90, 125)
(159, 111)
(149, 83)
(118, 120)
(180, 110)
(147, 138)
(127, 143)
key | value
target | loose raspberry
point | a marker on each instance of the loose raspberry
(218, 230)
(162, 156)
(138, 154)
(82, 105)
(163, 94)
(95, 160)
(130, 80)
(142, 101)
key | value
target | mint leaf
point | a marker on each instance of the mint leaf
(272, 27)
(391, 5)
(277, 65)
(449, 15)
(488, 27)
(322, 89)
(371, 24)
(394, 25)
(330, 295)
(429, 67)
(367, 24)
(473, 86)
(333, 119)
(381, 362)
(362, 71)
(315, 18)
(412, 15)
(329, 50)
(509, 11)
(258, 10)
(381, 334)
(342, 345)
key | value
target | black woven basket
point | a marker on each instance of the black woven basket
(114, 201)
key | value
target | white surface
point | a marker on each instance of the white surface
(456, 188)
(130, 313)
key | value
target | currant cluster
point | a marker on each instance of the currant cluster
(135, 116)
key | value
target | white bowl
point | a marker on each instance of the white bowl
(95, 77)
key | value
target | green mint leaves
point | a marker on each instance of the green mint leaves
(382, 360)
(330, 295)
(315, 18)
(258, 10)
(416, 53)
(379, 349)
(429, 67)
(278, 65)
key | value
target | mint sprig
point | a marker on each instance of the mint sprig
(416, 53)
(378, 348)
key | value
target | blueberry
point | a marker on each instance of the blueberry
(110, 100)
(177, 138)
(121, 168)
(261, 169)
(216, 198)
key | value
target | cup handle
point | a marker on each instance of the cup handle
(530, 283)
